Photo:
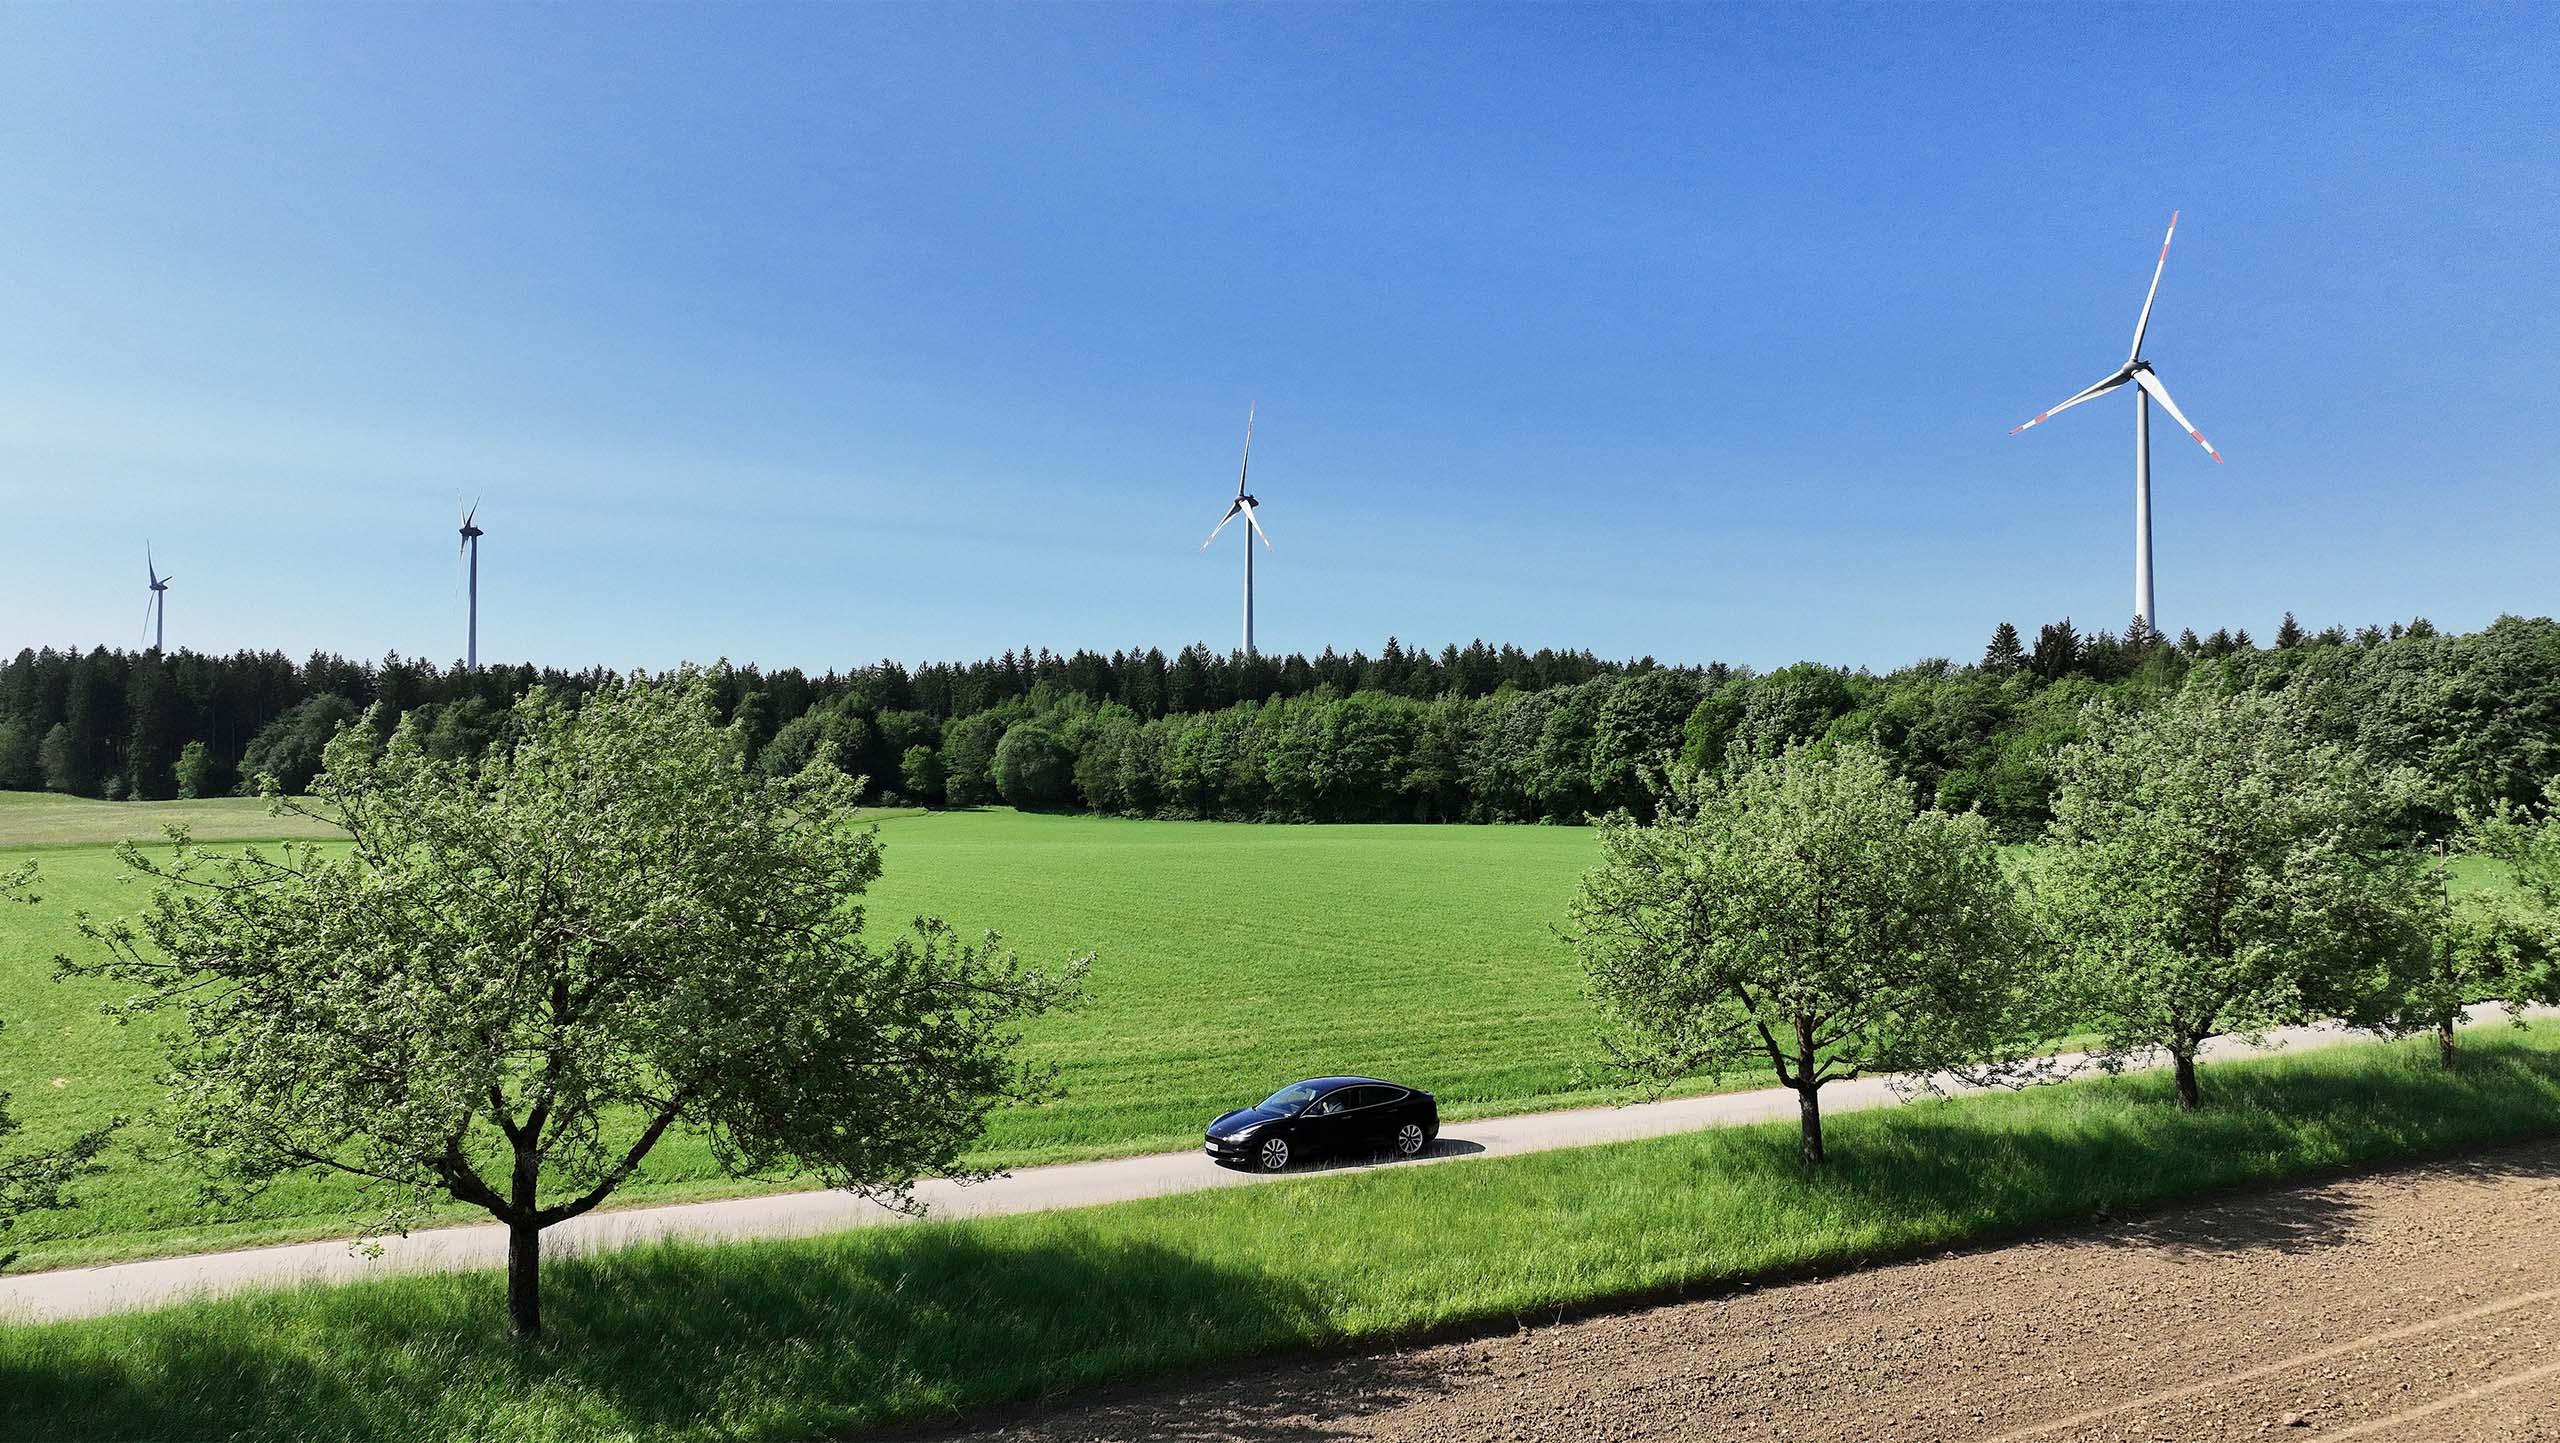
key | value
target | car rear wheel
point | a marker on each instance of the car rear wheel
(1273, 1155)
(1411, 1140)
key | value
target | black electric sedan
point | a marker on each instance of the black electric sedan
(1325, 1115)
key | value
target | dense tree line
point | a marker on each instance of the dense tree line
(1471, 734)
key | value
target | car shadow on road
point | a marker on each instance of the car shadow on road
(1441, 1147)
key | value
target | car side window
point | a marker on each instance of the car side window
(1357, 1097)
(1338, 1100)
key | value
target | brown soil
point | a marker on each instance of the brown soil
(2416, 1305)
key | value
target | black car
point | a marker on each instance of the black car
(1326, 1115)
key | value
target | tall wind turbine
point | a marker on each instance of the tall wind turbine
(1243, 506)
(2138, 371)
(155, 612)
(471, 554)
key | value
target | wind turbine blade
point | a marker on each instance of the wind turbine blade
(2091, 394)
(1248, 447)
(146, 615)
(2144, 324)
(1232, 512)
(1256, 523)
(2160, 393)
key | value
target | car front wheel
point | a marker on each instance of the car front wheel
(1411, 1140)
(1273, 1155)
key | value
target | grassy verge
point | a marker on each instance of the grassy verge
(782, 1340)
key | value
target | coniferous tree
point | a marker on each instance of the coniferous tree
(20, 771)
(2288, 633)
(2057, 651)
(2006, 653)
(60, 762)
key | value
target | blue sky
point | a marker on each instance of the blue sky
(821, 334)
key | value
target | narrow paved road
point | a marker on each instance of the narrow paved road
(82, 1292)
(2415, 1306)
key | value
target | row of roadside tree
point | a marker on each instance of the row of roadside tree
(2215, 865)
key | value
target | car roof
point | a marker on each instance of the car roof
(1348, 1081)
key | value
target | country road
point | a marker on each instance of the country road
(82, 1292)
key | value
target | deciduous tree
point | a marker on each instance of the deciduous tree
(1801, 914)
(2214, 870)
(525, 971)
(2476, 948)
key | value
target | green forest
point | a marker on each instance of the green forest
(1470, 734)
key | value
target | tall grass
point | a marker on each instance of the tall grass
(781, 1340)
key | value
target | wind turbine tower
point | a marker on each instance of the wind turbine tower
(155, 612)
(471, 559)
(2138, 372)
(1243, 506)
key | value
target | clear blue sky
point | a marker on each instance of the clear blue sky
(819, 334)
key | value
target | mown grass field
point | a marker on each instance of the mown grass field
(813, 1338)
(1230, 959)
(46, 819)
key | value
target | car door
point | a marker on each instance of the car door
(1365, 1117)
(1382, 1114)
(1328, 1125)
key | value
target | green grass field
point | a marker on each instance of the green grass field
(31, 820)
(809, 1338)
(1231, 959)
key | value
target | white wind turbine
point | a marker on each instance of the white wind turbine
(2138, 371)
(1243, 506)
(471, 552)
(155, 612)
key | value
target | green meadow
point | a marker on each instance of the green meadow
(1229, 959)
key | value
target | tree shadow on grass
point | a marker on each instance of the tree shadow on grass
(671, 1340)
(2121, 1149)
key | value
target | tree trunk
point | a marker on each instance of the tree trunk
(2185, 1059)
(524, 1238)
(524, 1280)
(2444, 1041)
(1809, 1090)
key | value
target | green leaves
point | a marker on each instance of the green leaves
(531, 964)
(2215, 869)
(1801, 914)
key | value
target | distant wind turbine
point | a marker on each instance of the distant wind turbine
(155, 612)
(1243, 506)
(471, 553)
(2138, 371)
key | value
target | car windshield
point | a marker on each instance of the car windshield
(1290, 1098)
